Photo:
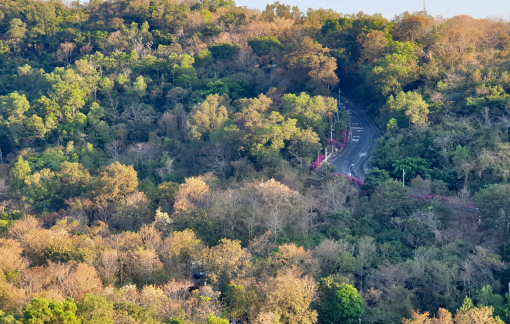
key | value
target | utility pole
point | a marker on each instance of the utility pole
(339, 105)
(331, 140)
(403, 178)
(326, 159)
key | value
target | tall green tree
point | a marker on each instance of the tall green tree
(412, 166)
(341, 303)
(392, 72)
(95, 310)
(47, 311)
(409, 105)
(12, 115)
(209, 115)
(311, 112)
(17, 32)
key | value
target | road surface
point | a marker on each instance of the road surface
(355, 156)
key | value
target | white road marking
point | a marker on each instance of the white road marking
(365, 121)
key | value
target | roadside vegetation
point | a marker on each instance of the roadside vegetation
(155, 165)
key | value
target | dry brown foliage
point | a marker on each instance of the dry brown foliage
(23, 226)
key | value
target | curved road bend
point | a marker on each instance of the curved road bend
(357, 152)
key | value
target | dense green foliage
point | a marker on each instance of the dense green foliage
(155, 165)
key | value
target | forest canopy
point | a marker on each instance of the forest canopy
(157, 165)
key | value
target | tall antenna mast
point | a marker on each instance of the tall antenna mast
(424, 10)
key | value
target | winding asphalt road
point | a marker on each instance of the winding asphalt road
(356, 154)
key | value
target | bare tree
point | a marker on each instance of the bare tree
(454, 80)
(108, 266)
(486, 116)
(86, 49)
(277, 205)
(485, 160)
(166, 169)
(467, 275)
(112, 111)
(464, 194)
(194, 22)
(310, 214)
(139, 113)
(445, 144)
(142, 151)
(115, 42)
(115, 148)
(503, 160)
(271, 204)
(65, 53)
(339, 194)
(421, 187)
(429, 219)
(217, 158)
(178, 93)
(251, 219)
(504, 121)
(479, 267)
(366, 252)
(299, 160)
(4, 188)
(168, 123)
(327, 254)
(228, 208)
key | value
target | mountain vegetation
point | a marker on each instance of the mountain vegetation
(155, 165)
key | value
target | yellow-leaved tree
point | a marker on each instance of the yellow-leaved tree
(117, 180)
(467, 314)
(191, 193)
(290, 295)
